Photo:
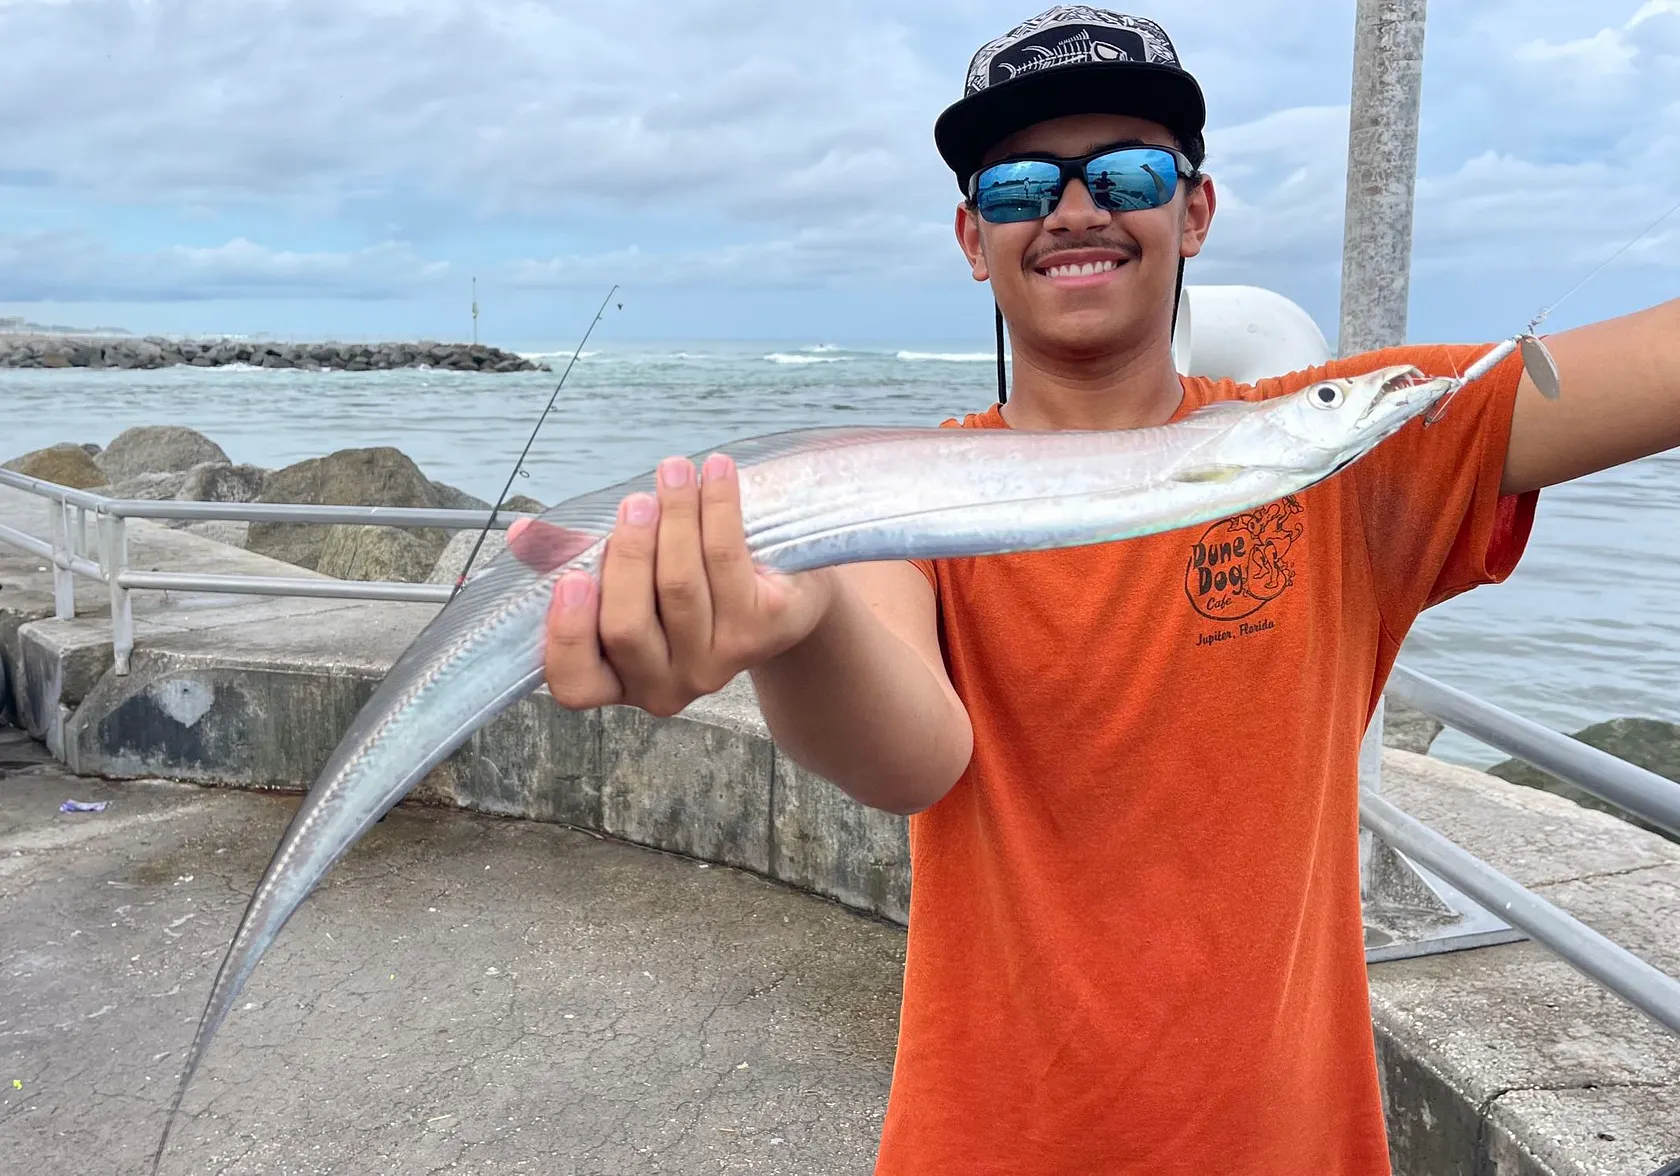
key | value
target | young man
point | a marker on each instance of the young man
(1135, 941)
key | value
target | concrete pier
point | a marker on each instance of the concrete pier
(464, 994)
(1501, 1060)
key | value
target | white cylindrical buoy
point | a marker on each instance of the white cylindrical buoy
(1244, 333)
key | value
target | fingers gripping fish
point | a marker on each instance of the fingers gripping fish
(814, 498)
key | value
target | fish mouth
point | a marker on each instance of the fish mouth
(1404, 394)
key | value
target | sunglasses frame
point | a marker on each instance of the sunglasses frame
(1074, 168)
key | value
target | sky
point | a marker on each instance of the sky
(755, 170)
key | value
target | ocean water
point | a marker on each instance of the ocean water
(1587, 629)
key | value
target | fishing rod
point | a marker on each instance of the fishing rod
(519, 466)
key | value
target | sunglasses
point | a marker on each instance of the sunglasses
(1119, 179)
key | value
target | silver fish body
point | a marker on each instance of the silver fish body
(810, 499)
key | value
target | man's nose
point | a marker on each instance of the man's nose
(1076, 210)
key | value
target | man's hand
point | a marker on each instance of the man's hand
(680, 608)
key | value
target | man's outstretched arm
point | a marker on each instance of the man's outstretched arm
(1621, 401)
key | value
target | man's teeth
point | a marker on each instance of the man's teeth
(1081, 271)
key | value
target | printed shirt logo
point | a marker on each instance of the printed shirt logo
(1242, 564)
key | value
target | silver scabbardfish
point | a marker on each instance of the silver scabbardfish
(813, 498)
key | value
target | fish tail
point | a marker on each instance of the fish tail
(230, 978)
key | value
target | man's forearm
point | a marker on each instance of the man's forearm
(859, 706)
(1621, 401)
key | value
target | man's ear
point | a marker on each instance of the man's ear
(968, 236)
(1199, 207)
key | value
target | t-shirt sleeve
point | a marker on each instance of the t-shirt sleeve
(1435, 523)
(925, 566)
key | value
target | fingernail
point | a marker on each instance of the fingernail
(639, 509)
(574, 590)
(718, 466)
(674, 472)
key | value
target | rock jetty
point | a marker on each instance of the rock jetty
(155, 351)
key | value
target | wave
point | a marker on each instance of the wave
(784, 357)
(820, 347)
(948, 356)
(554, 354)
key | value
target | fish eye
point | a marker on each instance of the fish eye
(1326, 396)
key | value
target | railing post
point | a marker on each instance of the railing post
(115, 559)
(64, 580)
(1370, 780)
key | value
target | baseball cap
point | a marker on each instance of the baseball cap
(1071, 59)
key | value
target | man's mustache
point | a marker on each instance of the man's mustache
(1127, 249)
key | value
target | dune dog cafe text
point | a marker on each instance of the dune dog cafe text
(1240, 565)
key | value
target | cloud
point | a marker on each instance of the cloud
(1606, 53)
(500, 107)
(45, 266)
(712, 144)
(882, 249)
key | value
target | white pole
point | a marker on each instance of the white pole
(1382, 173)
(1377, 238)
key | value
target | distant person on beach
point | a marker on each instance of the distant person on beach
(1135, 943)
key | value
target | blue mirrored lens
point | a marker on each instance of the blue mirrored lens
(1127, 179)
(1021, 190)
(1133, 179)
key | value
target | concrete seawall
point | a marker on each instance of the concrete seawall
(1501, 1060)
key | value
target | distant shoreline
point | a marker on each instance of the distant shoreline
(16, 325)
(19, 350)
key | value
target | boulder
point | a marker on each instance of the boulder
(453, 498)
(210, 481)
(448, 567)
(153, 449)
(380, 476)
(155, 487)
(1408, 728)
(66, 464)
(1651, 743)
(378, 553)
(215, 481)
(221, 530)
(523, 504)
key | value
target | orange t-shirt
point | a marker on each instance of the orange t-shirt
(1135, 943)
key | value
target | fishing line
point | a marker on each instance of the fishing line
(1528, 339)
(1604, 265)
(518, 466)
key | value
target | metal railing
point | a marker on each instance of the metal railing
(1642, 793)
(1627, 786)
(67, 549)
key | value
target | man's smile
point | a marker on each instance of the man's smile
(1082, 267)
